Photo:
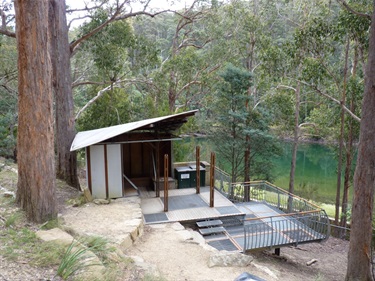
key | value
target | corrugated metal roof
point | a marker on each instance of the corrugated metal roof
(87, 138)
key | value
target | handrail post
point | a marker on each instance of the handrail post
(198, 170)
(212, 179)
(272, 226)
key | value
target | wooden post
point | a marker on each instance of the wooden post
(212, 179)
(165, 182)
(198, 161)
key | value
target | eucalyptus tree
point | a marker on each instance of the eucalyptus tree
(360, 261)
(356, 30)
(322, 72)
(184, 70)
(36, 167)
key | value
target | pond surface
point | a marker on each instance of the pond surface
(316, 171)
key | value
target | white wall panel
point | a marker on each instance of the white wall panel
(97, 171)
(114, 170)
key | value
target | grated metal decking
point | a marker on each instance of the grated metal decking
(186, 205)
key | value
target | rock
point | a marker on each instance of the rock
(147, 267)
(126, 241)
(185, 235)
(55, 234)
(197, 238)
(87, 194)
(101, 201)
(311, 262)
(177, 226)
(225, 258)
(9, 194)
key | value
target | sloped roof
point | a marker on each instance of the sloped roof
(170, 122)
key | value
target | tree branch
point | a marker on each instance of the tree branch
(355, 117)
(4, 24)
(351, 10)
(98, 95)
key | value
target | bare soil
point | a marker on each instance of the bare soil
(178, 259)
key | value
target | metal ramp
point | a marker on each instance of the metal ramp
(273, 218)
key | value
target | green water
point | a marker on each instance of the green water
(316, 171)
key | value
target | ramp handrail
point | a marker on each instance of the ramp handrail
(263, 191)
(287, 229)
(301, 220)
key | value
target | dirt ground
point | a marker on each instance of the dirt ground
(178, 259)
(174, 258)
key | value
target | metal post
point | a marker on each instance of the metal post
(277, 252)
(198, 164)
(157, 169)
(212, 179)
(165, 182)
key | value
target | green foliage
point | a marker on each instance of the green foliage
(8, 97)
(99, 246)
(110, 109)
(234, 121)
(13, 219)
(355, 26)
(75, 258)
(50, 224)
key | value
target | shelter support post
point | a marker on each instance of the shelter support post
(157, 191)
(198, 161)
(212, 179)
(166, 183)
(277, 252)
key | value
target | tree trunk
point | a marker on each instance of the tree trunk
(359, 256)
(348, 165)
(349, 152)
(35, 145)
(66, 161)
(341, 140)
(295, 146)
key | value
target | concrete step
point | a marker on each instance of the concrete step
(211, 230)
(209, 223)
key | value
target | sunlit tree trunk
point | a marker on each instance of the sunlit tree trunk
(359, 255)
(35, 140)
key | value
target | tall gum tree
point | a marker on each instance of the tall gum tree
(66, 161)
(360, 256)
(35, 140)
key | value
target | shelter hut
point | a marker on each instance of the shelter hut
(121, 158)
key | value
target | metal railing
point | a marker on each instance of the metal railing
(263, 191)
(286, 229)
(301, 220)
